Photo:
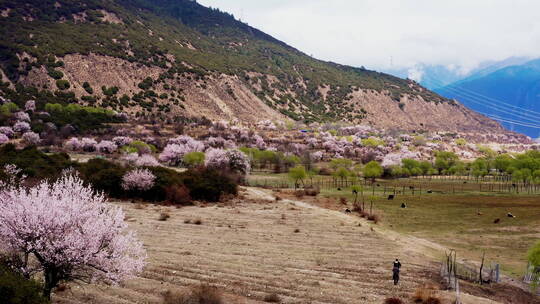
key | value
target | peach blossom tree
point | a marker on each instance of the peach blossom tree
(66, 231)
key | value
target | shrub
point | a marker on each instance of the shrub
(208, 184)
(103, 175)
(424, 294)
(201, 294)
(62, 84)
(14, 288)
(374, 217)
(33, 162)
(163, 216)
(312, 191)
(142, 147)
(432, 300)
(299, 193)
(178, 194)
(272, 298)
(55, 74)
(393, 301)
(193, 159)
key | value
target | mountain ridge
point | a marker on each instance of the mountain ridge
(512, 94)
(191, 48)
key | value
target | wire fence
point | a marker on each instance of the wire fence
(410, 186)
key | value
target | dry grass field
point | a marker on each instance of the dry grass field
(256, 246)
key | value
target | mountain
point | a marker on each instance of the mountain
(510, 94)
(437, 76)
(172, 59)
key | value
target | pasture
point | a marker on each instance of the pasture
(455, 212)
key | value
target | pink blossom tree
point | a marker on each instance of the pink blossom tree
(138, 180)
(31, 138)
(69, 232)
(146, 160)
(88, 144)
(231, 160)
(122, 140)
(73, 144)
(106, 146)
(3, 139)
(22, 116)
(30, 105)
(21, 126)
(7, 131)
(178, 147)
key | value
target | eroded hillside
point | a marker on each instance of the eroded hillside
(168, 59)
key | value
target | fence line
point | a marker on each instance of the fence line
(414, 186)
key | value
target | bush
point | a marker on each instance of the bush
(432, 300)
(33, 162)
(374, 217)
(62, 84)
(178, 195)
(103, 175)
(425, 295)
(208, 184)
(312, 191)
(202, 294)
(15, 289)
(55, 74)
(393, 301)
(164, 216)
(299, 193)
(272, 298)
(165, 178)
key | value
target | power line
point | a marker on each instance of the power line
(496, 107)
(473, 94)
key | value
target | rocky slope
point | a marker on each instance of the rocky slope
(167, 59)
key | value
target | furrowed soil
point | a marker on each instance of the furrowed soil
(258, 245)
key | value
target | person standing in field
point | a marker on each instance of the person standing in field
(395, 271)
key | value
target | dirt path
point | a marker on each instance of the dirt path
(304, 253)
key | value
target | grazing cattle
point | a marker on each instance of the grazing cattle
(496, 221)
(430, 191)
(390, 197)
(510, 215)
(403, 205)
(338, 189)
(348, 210)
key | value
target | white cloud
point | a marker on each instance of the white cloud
(415, 73)
(462, 33)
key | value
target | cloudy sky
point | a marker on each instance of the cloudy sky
(384, 34)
